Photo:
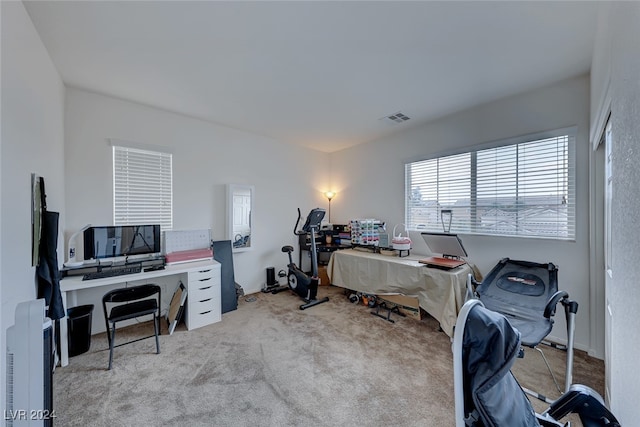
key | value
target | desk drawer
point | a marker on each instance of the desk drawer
(202, 319)
(202, 290)
(201, 275)
(203, 311)
(202, 305)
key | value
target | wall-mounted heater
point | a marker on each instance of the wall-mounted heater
(29, 397)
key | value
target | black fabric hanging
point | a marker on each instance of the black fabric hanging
(47, 270)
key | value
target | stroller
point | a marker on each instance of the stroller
(485, 346)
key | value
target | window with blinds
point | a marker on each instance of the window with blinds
(525, 189)
(142, 187)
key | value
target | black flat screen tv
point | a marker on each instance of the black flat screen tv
(121, 240)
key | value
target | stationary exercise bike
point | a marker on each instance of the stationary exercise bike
(299, 282)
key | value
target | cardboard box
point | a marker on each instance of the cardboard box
(323, 276)
(408, 305)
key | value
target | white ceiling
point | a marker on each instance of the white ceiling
(318, 74)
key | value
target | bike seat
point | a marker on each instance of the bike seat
(287, 249)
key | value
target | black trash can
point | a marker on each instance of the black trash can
(79, 329)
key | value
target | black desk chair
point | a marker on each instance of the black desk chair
(129, 303)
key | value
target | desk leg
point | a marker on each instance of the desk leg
(64, 338)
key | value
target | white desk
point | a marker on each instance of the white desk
(440, 292)
(203, 289)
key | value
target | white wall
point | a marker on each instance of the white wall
(206, 157)
(32, 141)
(369, 180)
(616, 67)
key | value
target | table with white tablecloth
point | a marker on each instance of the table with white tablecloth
(440, 292)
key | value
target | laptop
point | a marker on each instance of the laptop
(449, 245)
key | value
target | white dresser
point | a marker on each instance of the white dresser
(203, 296)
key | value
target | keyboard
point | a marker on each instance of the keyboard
(112, 272)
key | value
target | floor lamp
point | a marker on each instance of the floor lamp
(329, 195)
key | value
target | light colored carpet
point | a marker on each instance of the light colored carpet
(270, 364)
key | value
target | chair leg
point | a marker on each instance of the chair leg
(106, 323)
(549, 368)
(111, 344)
(571, 319)
(156, 321)
(537, 395)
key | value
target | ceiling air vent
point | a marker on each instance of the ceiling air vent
(396, 118)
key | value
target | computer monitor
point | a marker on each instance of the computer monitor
(449, 245)
(121, 240)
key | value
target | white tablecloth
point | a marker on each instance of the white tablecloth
(440, 292)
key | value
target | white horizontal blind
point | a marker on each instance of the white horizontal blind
(525, 189)
(142, 187)
(437, 184)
